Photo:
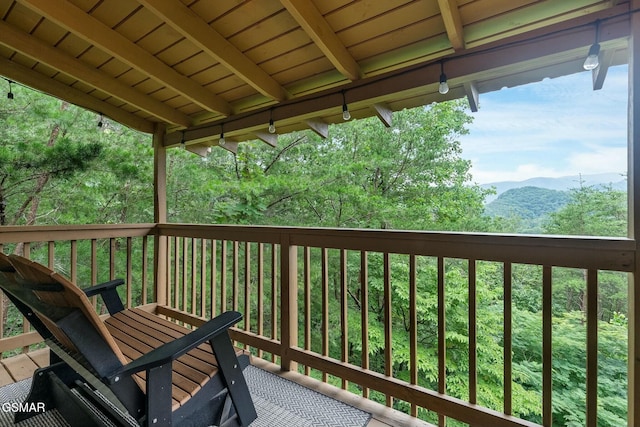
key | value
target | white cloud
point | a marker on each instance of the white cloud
(601, 160)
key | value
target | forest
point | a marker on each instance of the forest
(63, 165)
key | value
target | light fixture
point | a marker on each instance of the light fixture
(272, 126)
(183, 143)
(592, 62)
(345, 110)
(222, 141)
(443, 87)
(10, 93)
(100, 123)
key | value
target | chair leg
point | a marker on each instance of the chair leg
(232, 376)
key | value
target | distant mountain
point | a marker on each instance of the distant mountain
(616, 180)
(527, 202)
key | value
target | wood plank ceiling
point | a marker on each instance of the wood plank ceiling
(207, 67)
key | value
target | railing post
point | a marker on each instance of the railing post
(160, 215)
(288, 301)
(633, 394)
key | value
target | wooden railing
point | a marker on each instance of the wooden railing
(303, 293)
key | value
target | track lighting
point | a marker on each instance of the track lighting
(345, 110)
(10, 93)
(592, 62)
(444, 86)
(272, 126)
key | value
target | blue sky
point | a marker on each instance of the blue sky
(557, 127)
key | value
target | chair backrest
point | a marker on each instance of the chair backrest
(52, 298)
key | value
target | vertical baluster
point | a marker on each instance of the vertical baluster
(145, 265)
(26, 252)
(214, 276)
(112, 258)
(442, 338)
(547, 355)
(73, 261)
(247, 286)
(235, 271)
(185, 272)
(388, 322)
(325, 306)
(344, 311)
(307, 302)
(51, 252)
(94, 269)
(194, 274)
(260, 291)
(413, 327)
(176, 272)
(473, 334)
(129, 273)
(274, 295)
(592, 348)
(508, 339)
(223, 276)
(364, 314)
(203, 277)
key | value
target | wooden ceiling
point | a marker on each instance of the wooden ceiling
(204, 67)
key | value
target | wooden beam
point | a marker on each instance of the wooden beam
(384, 113)
(74, 19)
(316, 27)
(266, 137)
(35, 80)
(452, 22)
(187, 23)
(230, 146)
(600, 73)
(67, 64)
(472, 95)
(319, 126)
(521, 52)
(200, 149)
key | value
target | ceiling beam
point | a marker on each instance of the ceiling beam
(187, 23)
(55, 58)
(384, 113)
(35, 80)
(474, 64)
(472, 95)
(268, 138)
(316, 27)
(452, 23)
(319, 126)
(95, 32)
(600, 73)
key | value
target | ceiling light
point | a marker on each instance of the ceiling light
(10, 93)
(222, 141)
(443, 88)
(592, 62)
(272, 126)
(345, 110)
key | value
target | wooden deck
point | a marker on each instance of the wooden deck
(22, 366)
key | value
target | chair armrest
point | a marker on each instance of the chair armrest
(109, 294)
(170, 351)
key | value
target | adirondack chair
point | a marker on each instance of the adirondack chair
(135, 366)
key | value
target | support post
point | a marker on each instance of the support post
(288, 301)
(160, 214)
(633, 181)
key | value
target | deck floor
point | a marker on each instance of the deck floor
(22, 366)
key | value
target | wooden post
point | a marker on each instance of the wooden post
(160, 214)
(634, 216)
(288, 301)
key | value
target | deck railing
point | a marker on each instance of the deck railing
(304, 292)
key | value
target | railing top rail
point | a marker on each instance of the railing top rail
(44, 233)
(602, 253)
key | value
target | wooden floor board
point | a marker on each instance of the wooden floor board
(20, 367)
